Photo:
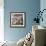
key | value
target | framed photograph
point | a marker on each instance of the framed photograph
(17, 19)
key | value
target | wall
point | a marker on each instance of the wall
(28, 6)
(43, 6)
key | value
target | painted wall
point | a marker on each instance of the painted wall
(43, 6)
(28, 6)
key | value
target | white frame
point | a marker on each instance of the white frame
(15, 13)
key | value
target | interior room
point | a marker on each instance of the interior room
(22, 23)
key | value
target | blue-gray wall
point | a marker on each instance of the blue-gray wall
(43, 6)
(28, 6)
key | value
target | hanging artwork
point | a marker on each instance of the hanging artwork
(17, 19)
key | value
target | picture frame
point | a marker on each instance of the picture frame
(17, 19)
